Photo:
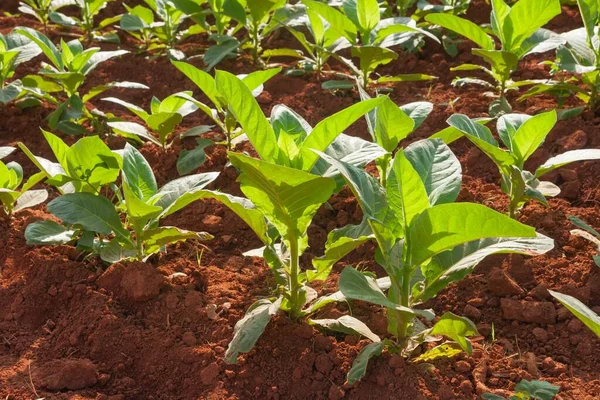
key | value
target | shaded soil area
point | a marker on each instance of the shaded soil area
(71, 328)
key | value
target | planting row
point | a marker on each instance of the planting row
(110, 206)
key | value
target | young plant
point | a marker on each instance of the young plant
(517, 28)
(162, 35)
(88, 10)
(579, 54)
(221, 114)
(41, 9)
(362, 24)
(14, 50)
(163, 118)
(88, 166)
(528, 390)
(288, 199)
(129, 230)
(522, 135)
(424, 243)
(59, 82)
(12, 198)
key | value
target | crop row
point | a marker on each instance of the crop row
(111, 207)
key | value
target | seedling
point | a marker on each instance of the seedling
(522, 135)
(14, 50)
(88, 10)
(59, 82)
(425, 242)
(12, 198)
(41, 9)
(129, 230)
(517, 28)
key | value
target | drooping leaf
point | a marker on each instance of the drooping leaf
(47, 233)
(580, 310)
(348, 325)
(359, 366)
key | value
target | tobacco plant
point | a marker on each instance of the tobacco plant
(370, 36)
(522, 135)
(528, 390)
(129, 230)
(165, 33)
(59, 82)
(517, 28)
(163, 118)
(12, 198)
(41, 9)
(424, 243)
(88, 10)
(14, 50)
(579, 54)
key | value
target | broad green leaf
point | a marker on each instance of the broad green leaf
(451, 134)
(359, 366)
(463, 27)
(388, 123)
(348, 325)
(204, 81)
(590, 11)
(247, 330)
(288, 197)
(325, 132)
(371, 57)
(47, 233)
(93, 213)
(525, 17)
(138, 211)
(247, 112)
(446, 226)
(215, 54)
(456, 328)
(536, 389)
(58, 147)
(438, 167)
(30, 198)
(171, 196)
(503, 63)
(567, 158)
(454, 265)
(445, 350)
(580, 310)
(531, 134)
(336, 19)
(93, 163)
(156, 238)
(418, 111)
(138, 173)
(368, 14)
(405, 190)
(44, 44)
(256, 79)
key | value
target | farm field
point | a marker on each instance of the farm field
(415, 256)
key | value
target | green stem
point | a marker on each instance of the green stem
(295, 306)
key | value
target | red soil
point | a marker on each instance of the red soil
(72, 329)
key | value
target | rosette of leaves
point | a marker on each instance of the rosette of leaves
(517, 29)
(371, 38)
(162, 33)
(522, 135)
(14, 194)
(14, 50)
(59, 82)
(129, 229)
(88, 11)
(425, 241)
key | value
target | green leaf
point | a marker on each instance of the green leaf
(537, 389)
(388, 123)
(93, 213)
(138, 211)
(173, 196)
(503, 63)
(47, 233)
(368, 14)
(445, 350)
(463, 27)
(288, 197)
(371, 57)
(338, 21)
(438, 167)
(138, 173)
(340, 242)
(567, 158)
(204, 81)
(590, 12)
(446, 226)
(256, 79)
(531, 134)
(580, 310)
(325, 132)
(30, 198)
(155, 239)
(456, 328)
(189, 160)
(215, 54)
(44, 44)
(526, 17)
(93, 163)
(249, 115)
(247, 330)
(359, 366)
(348, 325)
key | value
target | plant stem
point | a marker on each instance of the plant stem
(294, 284)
